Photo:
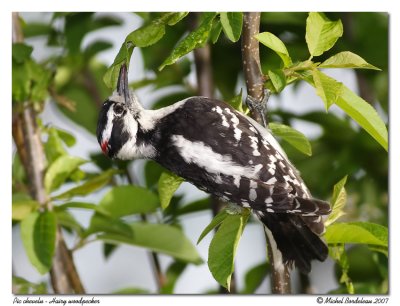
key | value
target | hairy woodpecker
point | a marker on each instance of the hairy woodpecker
(225, 153)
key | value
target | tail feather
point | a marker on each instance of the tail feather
(297, 243)
(312, 207)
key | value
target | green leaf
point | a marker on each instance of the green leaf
(361, 112)
(20, 81)
(40, 81)
(173, 273)
(357, 232)
(255, 276)
(131, 290)
(100, 223)
(38, 234)
(37, 29)
(108, 249)
(81, 205)
(124, 56)
(78, 25)
(29, 80)
(96, 47)
(217, 220)
(21, 52)
(60, 170)
(22, 286)
(89, 186)
(236, 102)
(174, 18)
(278, 79)
(147, 35)
(222, 250)
(128, 200)
(151, 33)
(292, 136)
(167, 185)
(327, 88)
(271, 41)
(196, 206)
(215, 31)
(339, 254)
(347, 59)
(152, 173)
(69, 222)
(142, 37)
(22, 207)
(161, 238)
(337, 202)
(53, 146)
(365, 115)
(195, 39)
(321, 33)
(66, 137)
(18, 175)
(232, 25)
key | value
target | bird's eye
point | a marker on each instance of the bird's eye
(118, 109)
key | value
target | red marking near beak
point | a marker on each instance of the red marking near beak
(104, 147)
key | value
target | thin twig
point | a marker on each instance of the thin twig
(280, 280)
(26, 135)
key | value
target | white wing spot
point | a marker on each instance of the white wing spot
(257, 168)
(237, 133)
(297, 203)
(245, 204)
(253, 184)
(236, 180)
(252, 194)
(269, 200)
(271, 170)
(254, 145)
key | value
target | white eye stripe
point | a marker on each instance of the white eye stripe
(108, 129)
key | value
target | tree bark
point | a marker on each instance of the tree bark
(26, 135)
(280, 280)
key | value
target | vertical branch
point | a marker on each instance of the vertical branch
(251, 60)
(280, 278)
(26, 135)
(202, 59)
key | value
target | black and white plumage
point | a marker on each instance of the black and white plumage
(224, 153)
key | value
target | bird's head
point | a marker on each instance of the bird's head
(117, 125)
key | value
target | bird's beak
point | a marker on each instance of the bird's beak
(122, 85)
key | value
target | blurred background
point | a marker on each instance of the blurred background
(79, 47)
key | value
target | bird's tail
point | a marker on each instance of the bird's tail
(292, 241)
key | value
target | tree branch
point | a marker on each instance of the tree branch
(280, 280)
(251, 59)
(26, 135)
